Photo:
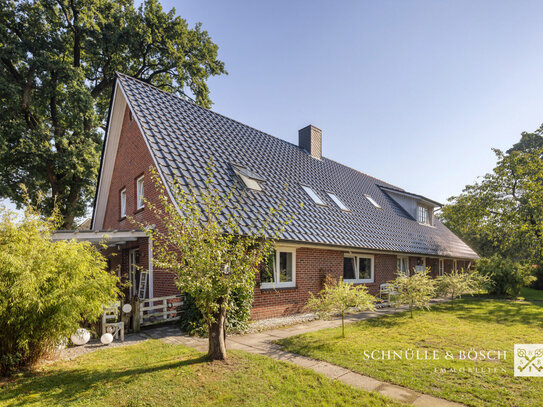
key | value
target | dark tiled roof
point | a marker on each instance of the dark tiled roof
(185, 137)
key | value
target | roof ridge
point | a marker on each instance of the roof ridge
(190, 102)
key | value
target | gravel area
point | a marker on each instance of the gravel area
(272, 323)
(94, 345)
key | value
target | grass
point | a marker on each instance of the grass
(530, 294)
(156, 374)
(479, 323)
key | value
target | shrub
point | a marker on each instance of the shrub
(339, 298)
(415, 291)
(238, 316)
(505, 276)
(46, 288)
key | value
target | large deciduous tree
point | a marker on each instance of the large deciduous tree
(58, 60)
(502, 214)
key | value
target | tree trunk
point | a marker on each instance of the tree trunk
(217, 337)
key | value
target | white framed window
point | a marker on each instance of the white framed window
(139, 189)
(423, 215)
(403, 265)
(373, 202)
(358, 268)
(455, 265)
(280, 270)
(313, 195)
(123, 203)
(441, 267)
(338, 202)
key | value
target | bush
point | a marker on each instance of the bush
(505, 277)
(238, 316)
(415, 291)
(46, 288)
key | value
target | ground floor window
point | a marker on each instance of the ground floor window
(403, 265)
(280, 269)
(441, 267)
(455, 265)
(358, 268)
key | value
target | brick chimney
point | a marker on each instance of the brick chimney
(310, 139)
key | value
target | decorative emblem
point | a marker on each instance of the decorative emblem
(529, 359)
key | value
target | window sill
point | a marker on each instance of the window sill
(122, 218)
(277, 287)
(139, 210)
(359, 281)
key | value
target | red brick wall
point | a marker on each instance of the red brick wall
(133, 160)
(311, 267)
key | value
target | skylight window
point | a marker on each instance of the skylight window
(369, 198)
(313, 196)
(248, 179)
(338, 202)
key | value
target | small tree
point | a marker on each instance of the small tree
(211, 248)
(339, 298)
(416, 290)
(457, 283)
(46, 288)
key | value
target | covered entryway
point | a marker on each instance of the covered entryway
(129, 254)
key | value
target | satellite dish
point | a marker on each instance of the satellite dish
(127, 308)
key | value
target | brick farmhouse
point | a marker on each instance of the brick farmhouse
(345, 223)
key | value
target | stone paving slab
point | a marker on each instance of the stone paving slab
(357, 380)
(430, 401)
(330, 370)
(397, 393)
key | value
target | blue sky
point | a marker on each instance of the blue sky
(413, 92)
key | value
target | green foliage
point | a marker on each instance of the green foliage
(213, 251)
(505, 276)
(460, 282)
(237, 317)
(46, 288)
(339, 298)
(503, 213)
(57, 66)
(415, 291)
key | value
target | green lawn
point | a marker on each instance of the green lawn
(482, 324)
(157, 374)
(531, 295)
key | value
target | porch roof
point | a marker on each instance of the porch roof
(108, 237)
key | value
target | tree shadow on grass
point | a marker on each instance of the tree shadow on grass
(60, 387)
(504, 312)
